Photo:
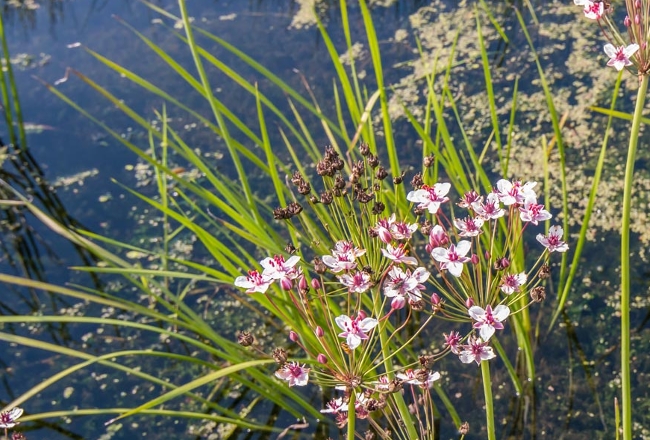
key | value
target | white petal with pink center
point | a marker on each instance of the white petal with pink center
(355, 330)
(452, 259)
(553, 242)
(488, 320)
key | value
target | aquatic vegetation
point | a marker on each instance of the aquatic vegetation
(354, 271)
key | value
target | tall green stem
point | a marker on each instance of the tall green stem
(489, 407)
(625, 261)
(402, 408)
(351, 416)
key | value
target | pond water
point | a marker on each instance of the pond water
(576, 363)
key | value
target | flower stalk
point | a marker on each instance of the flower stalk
(625, 260)
(489, 406)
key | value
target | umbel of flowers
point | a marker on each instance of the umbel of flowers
(388, 270)
(627, 48)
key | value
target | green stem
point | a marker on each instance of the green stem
(489, 407)
(402, 408)
(351, 416)
(625, 261)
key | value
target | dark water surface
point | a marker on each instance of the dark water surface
(575, 372)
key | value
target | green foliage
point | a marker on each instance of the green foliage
(232, 220)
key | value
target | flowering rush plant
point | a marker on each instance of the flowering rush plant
(357, 296)
(626, 49)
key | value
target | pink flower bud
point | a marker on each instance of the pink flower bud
(474, 259)
(435, 299)
(637, 4)
(302, 283)
(294, 336)
(637, 19)
(321, 358)
(487, 255)
(362, 315)
(385, 236)
(286, 283)
(315, 284)
(319, 331)
(627, 22)
(398, 302)
(469, 302)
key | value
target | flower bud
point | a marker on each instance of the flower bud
(435, 299)
(627, 22)
(286, 283)
(315, 284)
(302, 283)
(398, 302)
(487, 255)
(469, 302)
(362, 315)
(294, 336)
(474, 259)
(501, 264)
(637, 19)
(319, 331)
(321, 358)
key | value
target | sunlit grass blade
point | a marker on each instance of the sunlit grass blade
(496, 126)
(266, 73)
(208, 378)
(557, 130)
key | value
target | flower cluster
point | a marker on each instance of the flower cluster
(347, 309)
(623, 51)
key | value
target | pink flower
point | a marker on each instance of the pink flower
(437, 238)
(490, 209)
(554, 240)
(430, 197)
(452, 340)
(277, 268)
(401, 283)
(511, 193)
(293, 373)
(593, 10)
(357, 282)
(335, 406)
(355, 330)
(9, 419)
(468, 199)
(476, 350)
(403, 230)
(512, 282)
(620, 57)
(452, 259)
(532, 212)
(343, 256)
(488, 321)
(254, 282)
(398, 254)
(382, 229)
(469, 227)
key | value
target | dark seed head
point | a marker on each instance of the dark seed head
(245, 339)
